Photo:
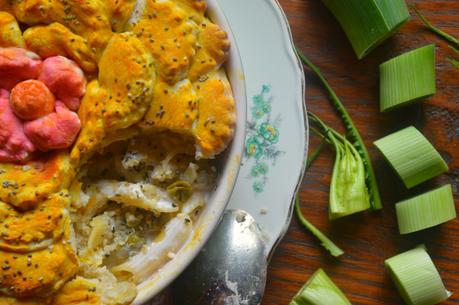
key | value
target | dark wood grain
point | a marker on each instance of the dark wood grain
(369, 239)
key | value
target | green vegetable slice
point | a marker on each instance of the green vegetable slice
(348, 189)
(352, 134)
(180, 191)
(417, 278)
(324, 240)
(368, 23)
(412, 156)
(320, 290)
(427, 210)
(407, 78)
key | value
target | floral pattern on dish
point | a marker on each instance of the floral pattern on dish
(262, 139)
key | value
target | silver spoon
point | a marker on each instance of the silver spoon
(230, 269)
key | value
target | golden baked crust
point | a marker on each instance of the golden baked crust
(35, 229)
(10, 33)
(128, 82)
(40, 273)
(194, 8)
(56, 39)
(93, 131)
(213, 48)
(24, 186)
(217, 118)
(79, 291)
(165, 30)
(120, 11)
(88, 18)
(174, 108)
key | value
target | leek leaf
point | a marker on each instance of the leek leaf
(450, 38)
(427, 210)
(324, 240)
(320, 290)
(352, 134)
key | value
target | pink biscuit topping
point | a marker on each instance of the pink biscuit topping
(17, 65)
(57, 130)
(31, 99)
(65, 79)
(14, 145)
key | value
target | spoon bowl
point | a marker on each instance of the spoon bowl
(230, 269)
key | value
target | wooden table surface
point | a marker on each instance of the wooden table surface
(371, 238)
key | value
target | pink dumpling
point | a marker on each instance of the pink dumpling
(17, 65)
(14, 145)
(65, 80)
(57, 130)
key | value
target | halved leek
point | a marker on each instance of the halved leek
(348, 189)
(352, 133)
(417, 278)
(368, 23)
(407, 78)
(427, 210)
(320, 290)
(412, 156)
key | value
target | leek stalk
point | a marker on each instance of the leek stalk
(412, 156)
(320, 290)
(352, 134)
(427, 210)
(367, 23)
(417, 278)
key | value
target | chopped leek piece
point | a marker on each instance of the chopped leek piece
(368, 23)
(320, 290)
(352, 133)
(427, 210)
(412, 156)
(348, 189)
(407, 78)
(324, 240)
(417, 278)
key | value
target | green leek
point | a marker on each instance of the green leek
(407, 78)
(320, 290)
(427, 210)
(412, 156)
(368, 23)
(417, 278)
(352, 134)
(348, 190)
